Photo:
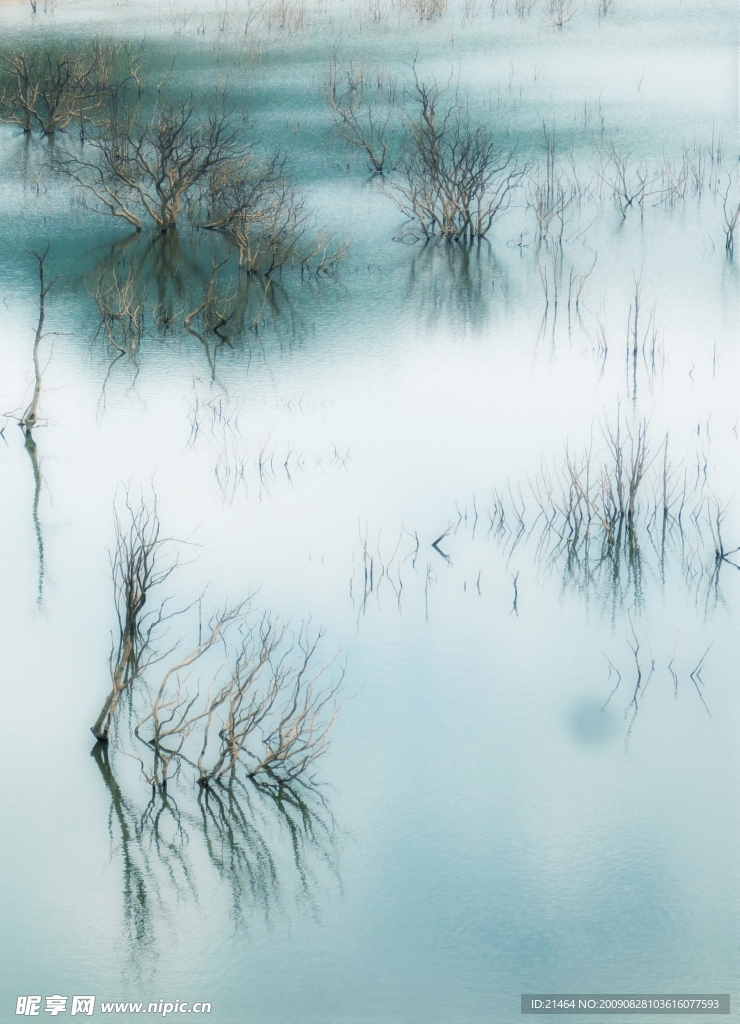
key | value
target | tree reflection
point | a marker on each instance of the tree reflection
(263, 840)
(188, 286)
(30, 446)
(454, 283)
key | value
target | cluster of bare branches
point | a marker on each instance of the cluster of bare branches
(265, 711)
(260, 707)
(121, 304)
(363, 126)
(551, 190)
(731, 211)
(454, 178)
(136, 570)
(560, 12)
(137, 165)
(425, 10)
(263, 213)
(288, 15)
(50, 89)
(599, 512)
(633, 182)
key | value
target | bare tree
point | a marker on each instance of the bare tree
(731, 212)
(269, 718)
(139, 166)
(550, 194)
(633, 181)
(49, 89)
(425, 10)
(560, 12)
(455, 178)
(273, 716)
(265, 712)
(30, 416)
(361, 126)
(135, 572)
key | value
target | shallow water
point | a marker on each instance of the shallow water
(508, 803)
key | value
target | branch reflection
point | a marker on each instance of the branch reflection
(268, 844)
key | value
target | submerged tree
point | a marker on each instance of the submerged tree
(731, 212)
(263, 711)
(455, 178)
(259, 208)
(135, 572)
(138, 165)
(361, 125)
(51, 89)
(30, 416)
(154, 166)
(268, 717)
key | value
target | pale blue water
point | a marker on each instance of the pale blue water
(494, 822)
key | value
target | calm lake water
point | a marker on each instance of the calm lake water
(533, 782)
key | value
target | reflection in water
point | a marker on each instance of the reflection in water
(642, 664)
(30, 417)
(124, 826)
(455, 284)
(181, 281)
(244, 463)
(30, 446)
(608, 520)
(242, 830)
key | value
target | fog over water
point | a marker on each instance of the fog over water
(532, 781)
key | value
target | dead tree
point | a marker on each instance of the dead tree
(135, 572)
(632, 182)
(269, 718)
(361, 126)
(49, 90)
(560, 12)
(274, 717)
(732, 219)
(262, 212)
(170, 717)
(425, 10)
(137, 166)
(455, 178)
(30, 416)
